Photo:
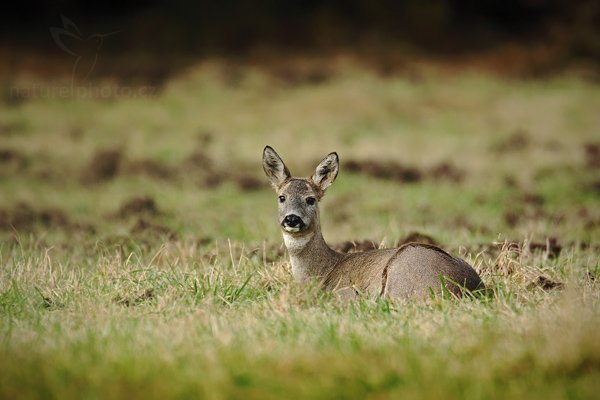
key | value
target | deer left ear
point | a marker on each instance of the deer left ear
(274, 167)
(326, 171)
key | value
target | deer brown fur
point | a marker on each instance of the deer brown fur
(413, 270)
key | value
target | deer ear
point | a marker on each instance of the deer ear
(274, 167)
(326, 171)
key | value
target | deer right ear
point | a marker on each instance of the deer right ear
(274, 167)
(326, 171)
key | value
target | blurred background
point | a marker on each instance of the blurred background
(156, 39)
(471, 119)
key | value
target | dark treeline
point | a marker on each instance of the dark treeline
(233, 26)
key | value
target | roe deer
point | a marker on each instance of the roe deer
(413, 270)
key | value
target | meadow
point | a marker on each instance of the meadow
(140, 255)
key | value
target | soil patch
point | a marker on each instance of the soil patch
(137, 300)
(527, 207)
(551, 247)
(511, 218)
(110, 163)
(103, 166)
(107, 164)
(150, 168)
(518, 141)
(198, 161)
(589, 220)
(389, 170)
(385, 170)
(592, 154)
(355, 246)
(546, 283)
(8, 155)
(249, 183)
(202, 169)
(12, 159)
(49, 303)
(510, 181)
(417, 237)
(145, 228)
(24, 218)
(10, 129)
(294, 74)
(595, 187)
(447, 172)
(532, 199)
(136, 206)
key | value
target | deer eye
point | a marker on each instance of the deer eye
(281, 199)
(310, 201)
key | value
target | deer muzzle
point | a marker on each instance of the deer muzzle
(292, 223)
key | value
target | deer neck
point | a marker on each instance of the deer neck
(310, 256)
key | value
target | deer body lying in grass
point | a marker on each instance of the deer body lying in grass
(413, 270)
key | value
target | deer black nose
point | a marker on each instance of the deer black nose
(293, 221)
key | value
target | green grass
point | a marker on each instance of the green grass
(123, 312)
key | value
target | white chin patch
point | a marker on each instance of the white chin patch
(292, 229)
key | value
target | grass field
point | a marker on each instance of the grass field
(141, 258)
